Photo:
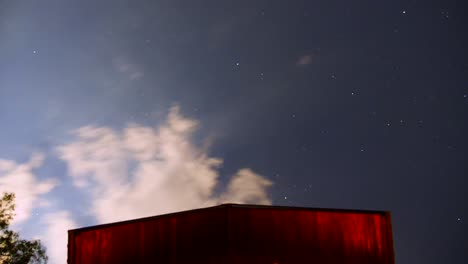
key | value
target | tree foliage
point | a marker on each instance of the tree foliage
(13, 249)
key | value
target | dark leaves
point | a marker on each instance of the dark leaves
(14, 250)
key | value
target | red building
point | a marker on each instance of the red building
(247, 234)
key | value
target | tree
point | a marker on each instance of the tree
(14, 250)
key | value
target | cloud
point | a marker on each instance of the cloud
(56, 235)
(130, 70)
(20, 179)
(142, 171)
(304, 60)
(241, 189)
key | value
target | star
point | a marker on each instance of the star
(404, 11)
(445, 14)
(34, 51)
(352, 93)
(237, 63)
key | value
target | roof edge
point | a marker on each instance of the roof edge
(228, 205)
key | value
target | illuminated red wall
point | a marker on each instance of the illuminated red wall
(240, 234)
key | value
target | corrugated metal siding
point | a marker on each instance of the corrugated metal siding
(240, 234)
(292, 236)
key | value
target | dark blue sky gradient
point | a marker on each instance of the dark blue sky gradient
(377, 119)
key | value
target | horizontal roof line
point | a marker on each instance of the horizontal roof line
(227, 205)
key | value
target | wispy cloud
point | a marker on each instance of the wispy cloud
(20, 179)
(144, 171)
(130, 70)
(304, 60)
(56, 235)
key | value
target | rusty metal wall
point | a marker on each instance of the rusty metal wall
(240, 234)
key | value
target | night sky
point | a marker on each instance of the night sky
(156, 106)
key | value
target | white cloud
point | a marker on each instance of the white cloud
(56, 235)
(241, 189)
(143, 171)
(20, 179)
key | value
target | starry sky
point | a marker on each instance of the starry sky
(150, 107)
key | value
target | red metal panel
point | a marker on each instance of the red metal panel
(160, 240)
(240, 234)
(292, 236)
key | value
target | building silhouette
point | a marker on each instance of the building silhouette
(247, 234)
